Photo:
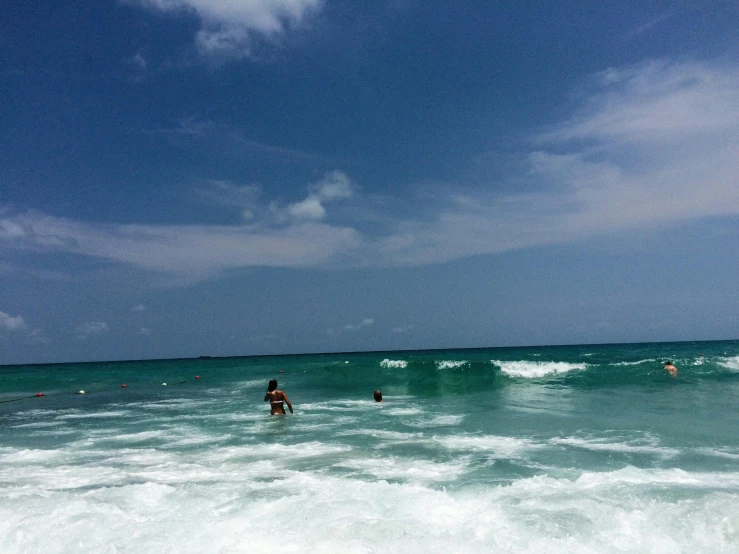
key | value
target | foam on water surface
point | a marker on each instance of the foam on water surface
(731, 362)
(387, 363)
(533, 370)
(451, 364)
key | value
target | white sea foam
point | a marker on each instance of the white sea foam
(638, 362)
(437, 421)
(442, 420)
(138, 437)
(38, 425)
(604, 445)
(386, 363)
(312, 449)
(229, 509)
(717, 453)
(250, 384)
(402, 411)
(450, 364)
(95, 415)
(338, 405)
(176, 403)
(731, 362)
(496, 446)
(194, 438)
(533, 370)
(416, 471)
(382, 434)
(27, 455)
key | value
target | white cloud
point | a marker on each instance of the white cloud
(11, 323)
(352, 327)
(310, 208)
(91, 329)
(138, 61)
(656, 104)
(17, 325)
(654, 144)
(196, 251)
(37, 336)
(402, 329)
(145, 331)
(229, 27)
(365, 323)
(334, 185)
(138, 308)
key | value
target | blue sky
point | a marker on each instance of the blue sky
(190, 177)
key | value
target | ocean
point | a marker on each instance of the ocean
(561, 449)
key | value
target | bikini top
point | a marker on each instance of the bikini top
(276, 401)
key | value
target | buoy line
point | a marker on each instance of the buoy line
(82, 391)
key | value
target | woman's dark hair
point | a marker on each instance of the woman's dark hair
(378, 396)
(272, 385)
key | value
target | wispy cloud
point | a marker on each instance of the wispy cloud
(651, 145)
(137, 62)
(229, 140)
(11, 323)
(196, 251)
(645, 27)
(92, 329)
(365, 323)
(352, 327)
(231, 28)
(138, 308)
(17, 327)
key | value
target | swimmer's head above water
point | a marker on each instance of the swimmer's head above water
(378, 396)
(272, 385)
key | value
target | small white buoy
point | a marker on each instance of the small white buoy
(81, 392)
(164, 384)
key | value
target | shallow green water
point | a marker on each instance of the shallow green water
(577, 448)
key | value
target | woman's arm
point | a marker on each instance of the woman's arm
(284, 397)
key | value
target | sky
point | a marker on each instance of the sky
(246, 177)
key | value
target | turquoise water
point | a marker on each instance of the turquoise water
(541, 449)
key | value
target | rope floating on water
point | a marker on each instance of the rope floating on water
(23, 398)
(80, 392)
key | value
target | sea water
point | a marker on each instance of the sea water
(549, 449)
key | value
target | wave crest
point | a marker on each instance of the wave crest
(533, 370)
(450, 364)
(731, 362)
(386, 363)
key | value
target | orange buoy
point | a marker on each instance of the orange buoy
(123, 386)
(39, 394)
(197, 377)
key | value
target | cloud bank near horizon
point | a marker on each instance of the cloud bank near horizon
(648, 144)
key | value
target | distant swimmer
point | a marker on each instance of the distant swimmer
(671, 369)
(275, 398)
(378, 396)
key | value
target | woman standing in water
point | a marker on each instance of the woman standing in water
(275, 398)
